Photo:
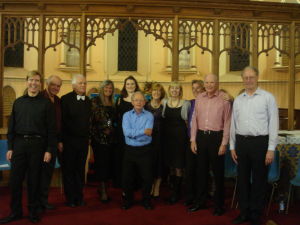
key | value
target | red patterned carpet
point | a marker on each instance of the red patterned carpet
(97, 213)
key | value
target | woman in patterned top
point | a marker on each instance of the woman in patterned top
(103, 135)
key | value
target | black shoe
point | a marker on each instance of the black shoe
(196, 207)
(240, 219)
(81, 203)
(34, 218)
(147, 205)
(49, 206)
(188, 202)
(256, 220)
(71, 204)
(155, 197)
(173, 199)
(40, 210)
(126, 204)
(10, 218)
(105, 201)
(218, 212)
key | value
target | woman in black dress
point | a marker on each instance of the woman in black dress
(123, 105)
(102, 135)
(155, 106)
(175, 113)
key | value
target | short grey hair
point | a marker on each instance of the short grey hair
(254, 69)
(211, 74)
(48, 81)
(137, 92)
(75, 77)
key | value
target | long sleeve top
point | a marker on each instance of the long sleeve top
(255, 115)
(134, 126)
(33, 116)
(75, 116)
(57, 109)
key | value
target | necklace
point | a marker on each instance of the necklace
(172, 105)
(155, 105)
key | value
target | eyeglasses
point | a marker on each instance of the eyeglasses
(249, 78)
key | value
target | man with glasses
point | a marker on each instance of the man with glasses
(137, 127)
(253, 139)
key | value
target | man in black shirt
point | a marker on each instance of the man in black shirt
(31, 139)
(76, 111)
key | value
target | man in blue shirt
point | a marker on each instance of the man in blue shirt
(137, 127)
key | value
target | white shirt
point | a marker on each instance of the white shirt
(255, 115)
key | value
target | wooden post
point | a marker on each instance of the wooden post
(216, 48)
(1, 68)
(254, 44)
(291, 84)
(83, 45)
(41, 49)
(175, 48)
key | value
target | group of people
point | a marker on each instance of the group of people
(134, 140)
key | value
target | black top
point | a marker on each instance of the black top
(123, 107)
(157, 113)
(75, 116)
(33, 116)
(57, 107)
(103, 121)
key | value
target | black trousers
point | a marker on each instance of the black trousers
(137, 160)
(45, 179)
(73, 159)
(208, 147)
(27, 159)
(190, 175)
(252, 174)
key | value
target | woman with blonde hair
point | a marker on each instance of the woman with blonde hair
(103, 120)
(175, 114)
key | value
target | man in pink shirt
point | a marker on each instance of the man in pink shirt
(209, 138)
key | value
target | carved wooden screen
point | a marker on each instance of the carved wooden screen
(235, 39)
(196, 32)
(98, 27)
(19, 33)
(273, 36)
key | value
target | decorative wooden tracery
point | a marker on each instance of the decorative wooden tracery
(62, 30)
(18, 29)
(235, 36)
(160, 28)
(194, 32)
(98, 27)
(273, 36)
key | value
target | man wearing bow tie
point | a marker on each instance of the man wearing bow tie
(76, 111)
